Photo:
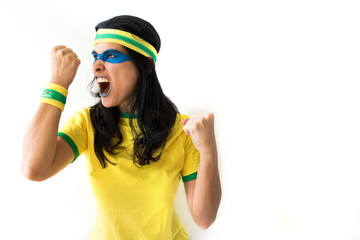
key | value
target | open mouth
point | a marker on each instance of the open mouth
(104, 86)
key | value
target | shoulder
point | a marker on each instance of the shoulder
(179, 118)
(83, 113)
(177, 129)
(80, 117)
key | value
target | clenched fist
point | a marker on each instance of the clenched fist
(64, 64)
(201, 129)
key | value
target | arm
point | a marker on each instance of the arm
(204, 193)
(44, 153)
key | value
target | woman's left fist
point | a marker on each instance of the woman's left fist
(201, 129)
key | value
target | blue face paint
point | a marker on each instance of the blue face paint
(111, 56)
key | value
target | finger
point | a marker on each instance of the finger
(184, 121)
(59, 47)
(74, 55)
(55, 49)
(77, 62)
(66, 50)
(187, 130)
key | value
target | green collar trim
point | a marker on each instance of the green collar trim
(127, 115)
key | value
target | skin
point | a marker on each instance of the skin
(45, 154)
(204, 193)
(122, 78)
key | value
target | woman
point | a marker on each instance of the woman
(136, 143)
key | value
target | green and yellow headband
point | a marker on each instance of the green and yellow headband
(126, 39)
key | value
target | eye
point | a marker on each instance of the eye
(94, 55)
(111, 56)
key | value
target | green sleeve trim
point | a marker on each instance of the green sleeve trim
(71, 143)
(190, 177)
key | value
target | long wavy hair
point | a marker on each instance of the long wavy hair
(156, 113)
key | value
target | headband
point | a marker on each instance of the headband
(126, 39)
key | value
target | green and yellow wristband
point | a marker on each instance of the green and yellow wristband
(55, 95)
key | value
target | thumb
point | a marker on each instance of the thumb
(184, 121)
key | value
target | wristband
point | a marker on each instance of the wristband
(55, 95)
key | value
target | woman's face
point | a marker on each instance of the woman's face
(115, 75)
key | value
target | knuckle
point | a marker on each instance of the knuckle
(73, 62)
(57, 48)
(61, 52)
(54, 51)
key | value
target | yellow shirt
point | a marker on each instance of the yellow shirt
(135, 202)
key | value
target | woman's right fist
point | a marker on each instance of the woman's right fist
(64, 64)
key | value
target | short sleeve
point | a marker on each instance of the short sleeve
(74, 132)
(192, 160)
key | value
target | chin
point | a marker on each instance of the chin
(107, 104)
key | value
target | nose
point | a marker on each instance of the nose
(98, 66)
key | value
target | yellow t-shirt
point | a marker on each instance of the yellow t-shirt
(135, 202)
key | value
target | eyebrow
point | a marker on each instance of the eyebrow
(107, 50)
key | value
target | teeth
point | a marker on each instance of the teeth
(101, 80)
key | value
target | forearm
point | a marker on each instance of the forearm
(207, 193)
(39, 145)
(40, 140)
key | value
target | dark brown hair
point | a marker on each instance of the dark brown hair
(156, 113)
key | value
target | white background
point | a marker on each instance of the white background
(282, 78)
